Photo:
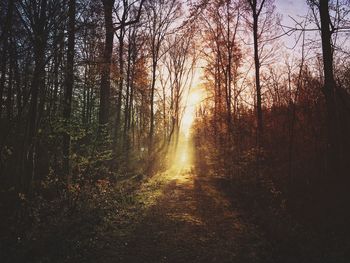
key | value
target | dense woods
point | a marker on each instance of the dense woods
(99, 97)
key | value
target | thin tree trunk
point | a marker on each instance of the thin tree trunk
(127, 97)
(117, 127)
(257, 81)
(69, 83)
(153, 84)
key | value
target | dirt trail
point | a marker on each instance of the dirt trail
(190, 221)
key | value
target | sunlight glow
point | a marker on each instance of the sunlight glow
(183, 158)
(182, 161)
(182, 153)
(194, 98)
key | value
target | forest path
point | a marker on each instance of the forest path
(189, 220)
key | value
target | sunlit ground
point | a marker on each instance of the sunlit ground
(179, 172)
(180, 159)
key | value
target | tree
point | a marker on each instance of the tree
(179, 61)
(6, 32)
(128, 14)
(330, 27)
(220, 25)
(329, 88)
(69, 83)
(261, 12)
(105, 86)
(160, 17)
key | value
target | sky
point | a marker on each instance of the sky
(292, 8)
(296, 9)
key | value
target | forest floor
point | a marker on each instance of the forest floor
(187, 219)
(178, 215)
(190, 222)
(192, 214)
(184, 214)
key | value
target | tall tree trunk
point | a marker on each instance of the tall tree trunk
(69, 83)
(153, 85)
(9, 100)
(257, 80)
(329, 89)
(4, 51)
(229, 72)
(127, 96)
(106, 63)
(256, 10)
(120, 91)
(38, 80)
